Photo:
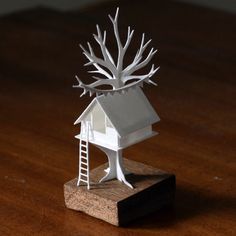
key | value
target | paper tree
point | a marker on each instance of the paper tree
(120, 116)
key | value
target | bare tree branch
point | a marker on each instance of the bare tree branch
(106, 55)
(93, 60)
(137, 63)
(121, 49)
(112, 72)
(91, 87)
(94, 90)
(149, 75)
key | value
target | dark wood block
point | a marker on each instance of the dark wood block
(118, 204)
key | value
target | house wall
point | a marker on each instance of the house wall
(98, 119)
(111, 138)
(106, 139)
(103, 133)
(135, 136)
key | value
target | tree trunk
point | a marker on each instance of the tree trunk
(116, 169)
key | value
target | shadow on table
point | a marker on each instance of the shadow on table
(188, 204)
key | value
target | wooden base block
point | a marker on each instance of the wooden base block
(118, 204)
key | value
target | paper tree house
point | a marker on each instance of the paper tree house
(119, 116)
(114, 122)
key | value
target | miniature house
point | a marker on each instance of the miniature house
(118, 121)
(120, 116)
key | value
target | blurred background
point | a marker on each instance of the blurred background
(14, 5)
(195, 98)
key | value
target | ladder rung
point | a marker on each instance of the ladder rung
(82, 168)
(83, 141)
(84, 163)
(84, 180)
(84, 175)
(82, 145)
(83, 154)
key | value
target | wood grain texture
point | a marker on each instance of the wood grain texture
(116, 203)
(195, 98)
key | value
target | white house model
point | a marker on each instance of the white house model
(117, 117)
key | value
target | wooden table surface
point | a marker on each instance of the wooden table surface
(196, 100)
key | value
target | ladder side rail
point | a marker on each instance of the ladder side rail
(87, 139)
(84, 155)
(78, 181)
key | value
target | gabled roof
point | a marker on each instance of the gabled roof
(127, 112)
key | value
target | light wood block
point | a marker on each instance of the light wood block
(118, 204)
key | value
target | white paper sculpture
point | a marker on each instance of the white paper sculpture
(120, 116)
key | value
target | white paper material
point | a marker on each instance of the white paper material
(122, 115)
